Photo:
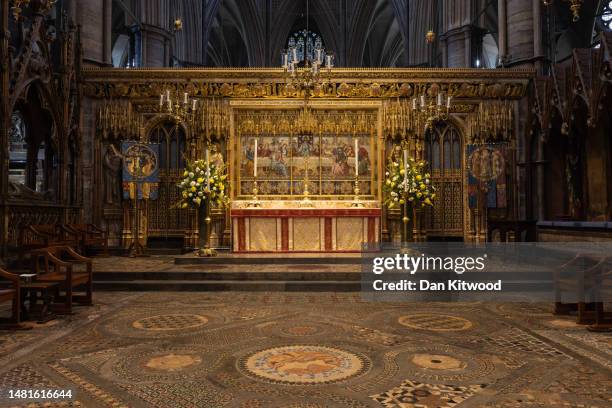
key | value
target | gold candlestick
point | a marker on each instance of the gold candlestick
(306, 200)
(356, 201)
(255, 200)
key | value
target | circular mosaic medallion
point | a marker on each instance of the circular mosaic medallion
(304, 365)
(170, 322)
(149, 364)
(444, 363)
(437, 362)
(173, 362)
(435, 322)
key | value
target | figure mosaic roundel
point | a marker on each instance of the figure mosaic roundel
(148, 160)
(304, 365)
(486, 163)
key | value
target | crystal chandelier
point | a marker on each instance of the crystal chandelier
(575, 6)
(306, 72)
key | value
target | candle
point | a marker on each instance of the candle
(440, 99)
(422, 101)
(356, 157)
(255, 161)
(406, 168)
(168, 95)
(448, 102)
(414, 103)
(186, 98)
(207, 170)
(161, 100)
(294, 55)
(194, 105)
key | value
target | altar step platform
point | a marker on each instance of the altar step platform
(232, 272)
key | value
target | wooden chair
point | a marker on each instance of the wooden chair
(40, 236)
(603, 295)
(10, 292)
(58, 265)
(89, 236)
(577, 277)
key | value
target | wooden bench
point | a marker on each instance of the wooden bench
(35, 237)
(59, 265)
(10, 292)
(89, 236)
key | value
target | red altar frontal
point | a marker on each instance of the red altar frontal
(323, 227)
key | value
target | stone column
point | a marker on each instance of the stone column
(155, 46)
(456, 38)
(88, 15)
(502, 24)
(538, 49)
(4, 124)
(521, 37)
(107, 49)
(541, 179)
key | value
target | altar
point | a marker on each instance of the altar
(289, 226)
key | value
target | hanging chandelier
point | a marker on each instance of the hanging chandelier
(305, 72)
(574, 5)
(180, 109)
(406, 117)
(430, 110)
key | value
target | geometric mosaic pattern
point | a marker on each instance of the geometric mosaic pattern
(517, 340)
(412, 394)
(307, 350)
(170, 322)
(435, 322)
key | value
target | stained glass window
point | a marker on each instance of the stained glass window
(18, 149)
(606, 15)
(302, 37)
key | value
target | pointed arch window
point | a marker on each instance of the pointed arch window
(301, 38)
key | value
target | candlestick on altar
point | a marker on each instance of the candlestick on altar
(255, 201)
(356, 201)
(356, 157)
(255, 160)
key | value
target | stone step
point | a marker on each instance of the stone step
(228, 276)
(228, 285)
(274, 259)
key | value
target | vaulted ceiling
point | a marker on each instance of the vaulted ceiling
(359, 32)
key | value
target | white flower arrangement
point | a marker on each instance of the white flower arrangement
(196, 189)
(412, 184)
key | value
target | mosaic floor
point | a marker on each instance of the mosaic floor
(291, 350)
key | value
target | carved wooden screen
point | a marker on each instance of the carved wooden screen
(443, 150)
(164, 219)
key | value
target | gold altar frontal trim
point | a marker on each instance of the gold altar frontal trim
(305, 230)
